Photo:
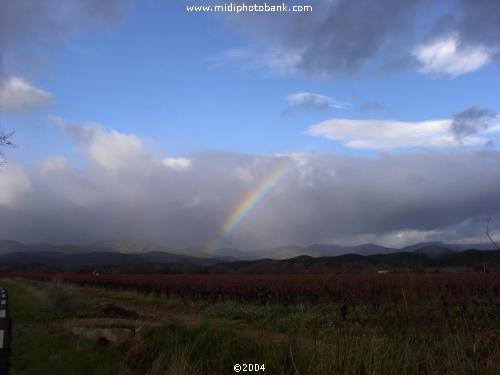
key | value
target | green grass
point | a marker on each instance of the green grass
(204, 349)
(419, 337)
(26, 305)
(56, 353)
(143, 301)
(209, 349)
(39, 350)
(279, 318)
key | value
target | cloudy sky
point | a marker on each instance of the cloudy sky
(143, 120)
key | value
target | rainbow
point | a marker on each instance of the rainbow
(251, 200)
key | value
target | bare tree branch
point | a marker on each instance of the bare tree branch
(5, 141)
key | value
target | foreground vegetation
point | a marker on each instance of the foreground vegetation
(407, 324)
(42, 347)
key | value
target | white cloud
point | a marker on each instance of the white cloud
(493, 129)
(312, 101)
(107, 148)
(18, 96)
(386, 134)
(179, 164)
(113, 150)
(446, 56)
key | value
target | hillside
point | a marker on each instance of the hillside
(426, 258)
(150, 261)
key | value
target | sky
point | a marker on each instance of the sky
(359, 121)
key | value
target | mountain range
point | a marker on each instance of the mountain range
(326, 250)
(426, 260)
(226, 254)
(142, 256)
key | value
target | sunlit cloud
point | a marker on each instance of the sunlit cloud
(177, 163)
(18, 96)
(446, 56)
(388, 134)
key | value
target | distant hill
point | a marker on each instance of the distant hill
(110, 246)
(452, 246)
(325, 250)
(9, 246)
(121, 252)
(131, 247)
(434, 251)
(61, 260)
(281, 252)
(365, 249)
(429, 258)
(315, 250)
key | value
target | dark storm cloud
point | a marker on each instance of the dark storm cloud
(342, 36)
(337, 36)
(471, 121)
(350, 32)
(323, 198)
(479, 22)
(26, 24)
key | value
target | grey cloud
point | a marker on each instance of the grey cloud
(74, 131)
(342, 36)
(479, 23)
(17, 96)
(471, 121)
(338, 36)
(323, 198)
(352, 32)
(25, 24)
(490, 144)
